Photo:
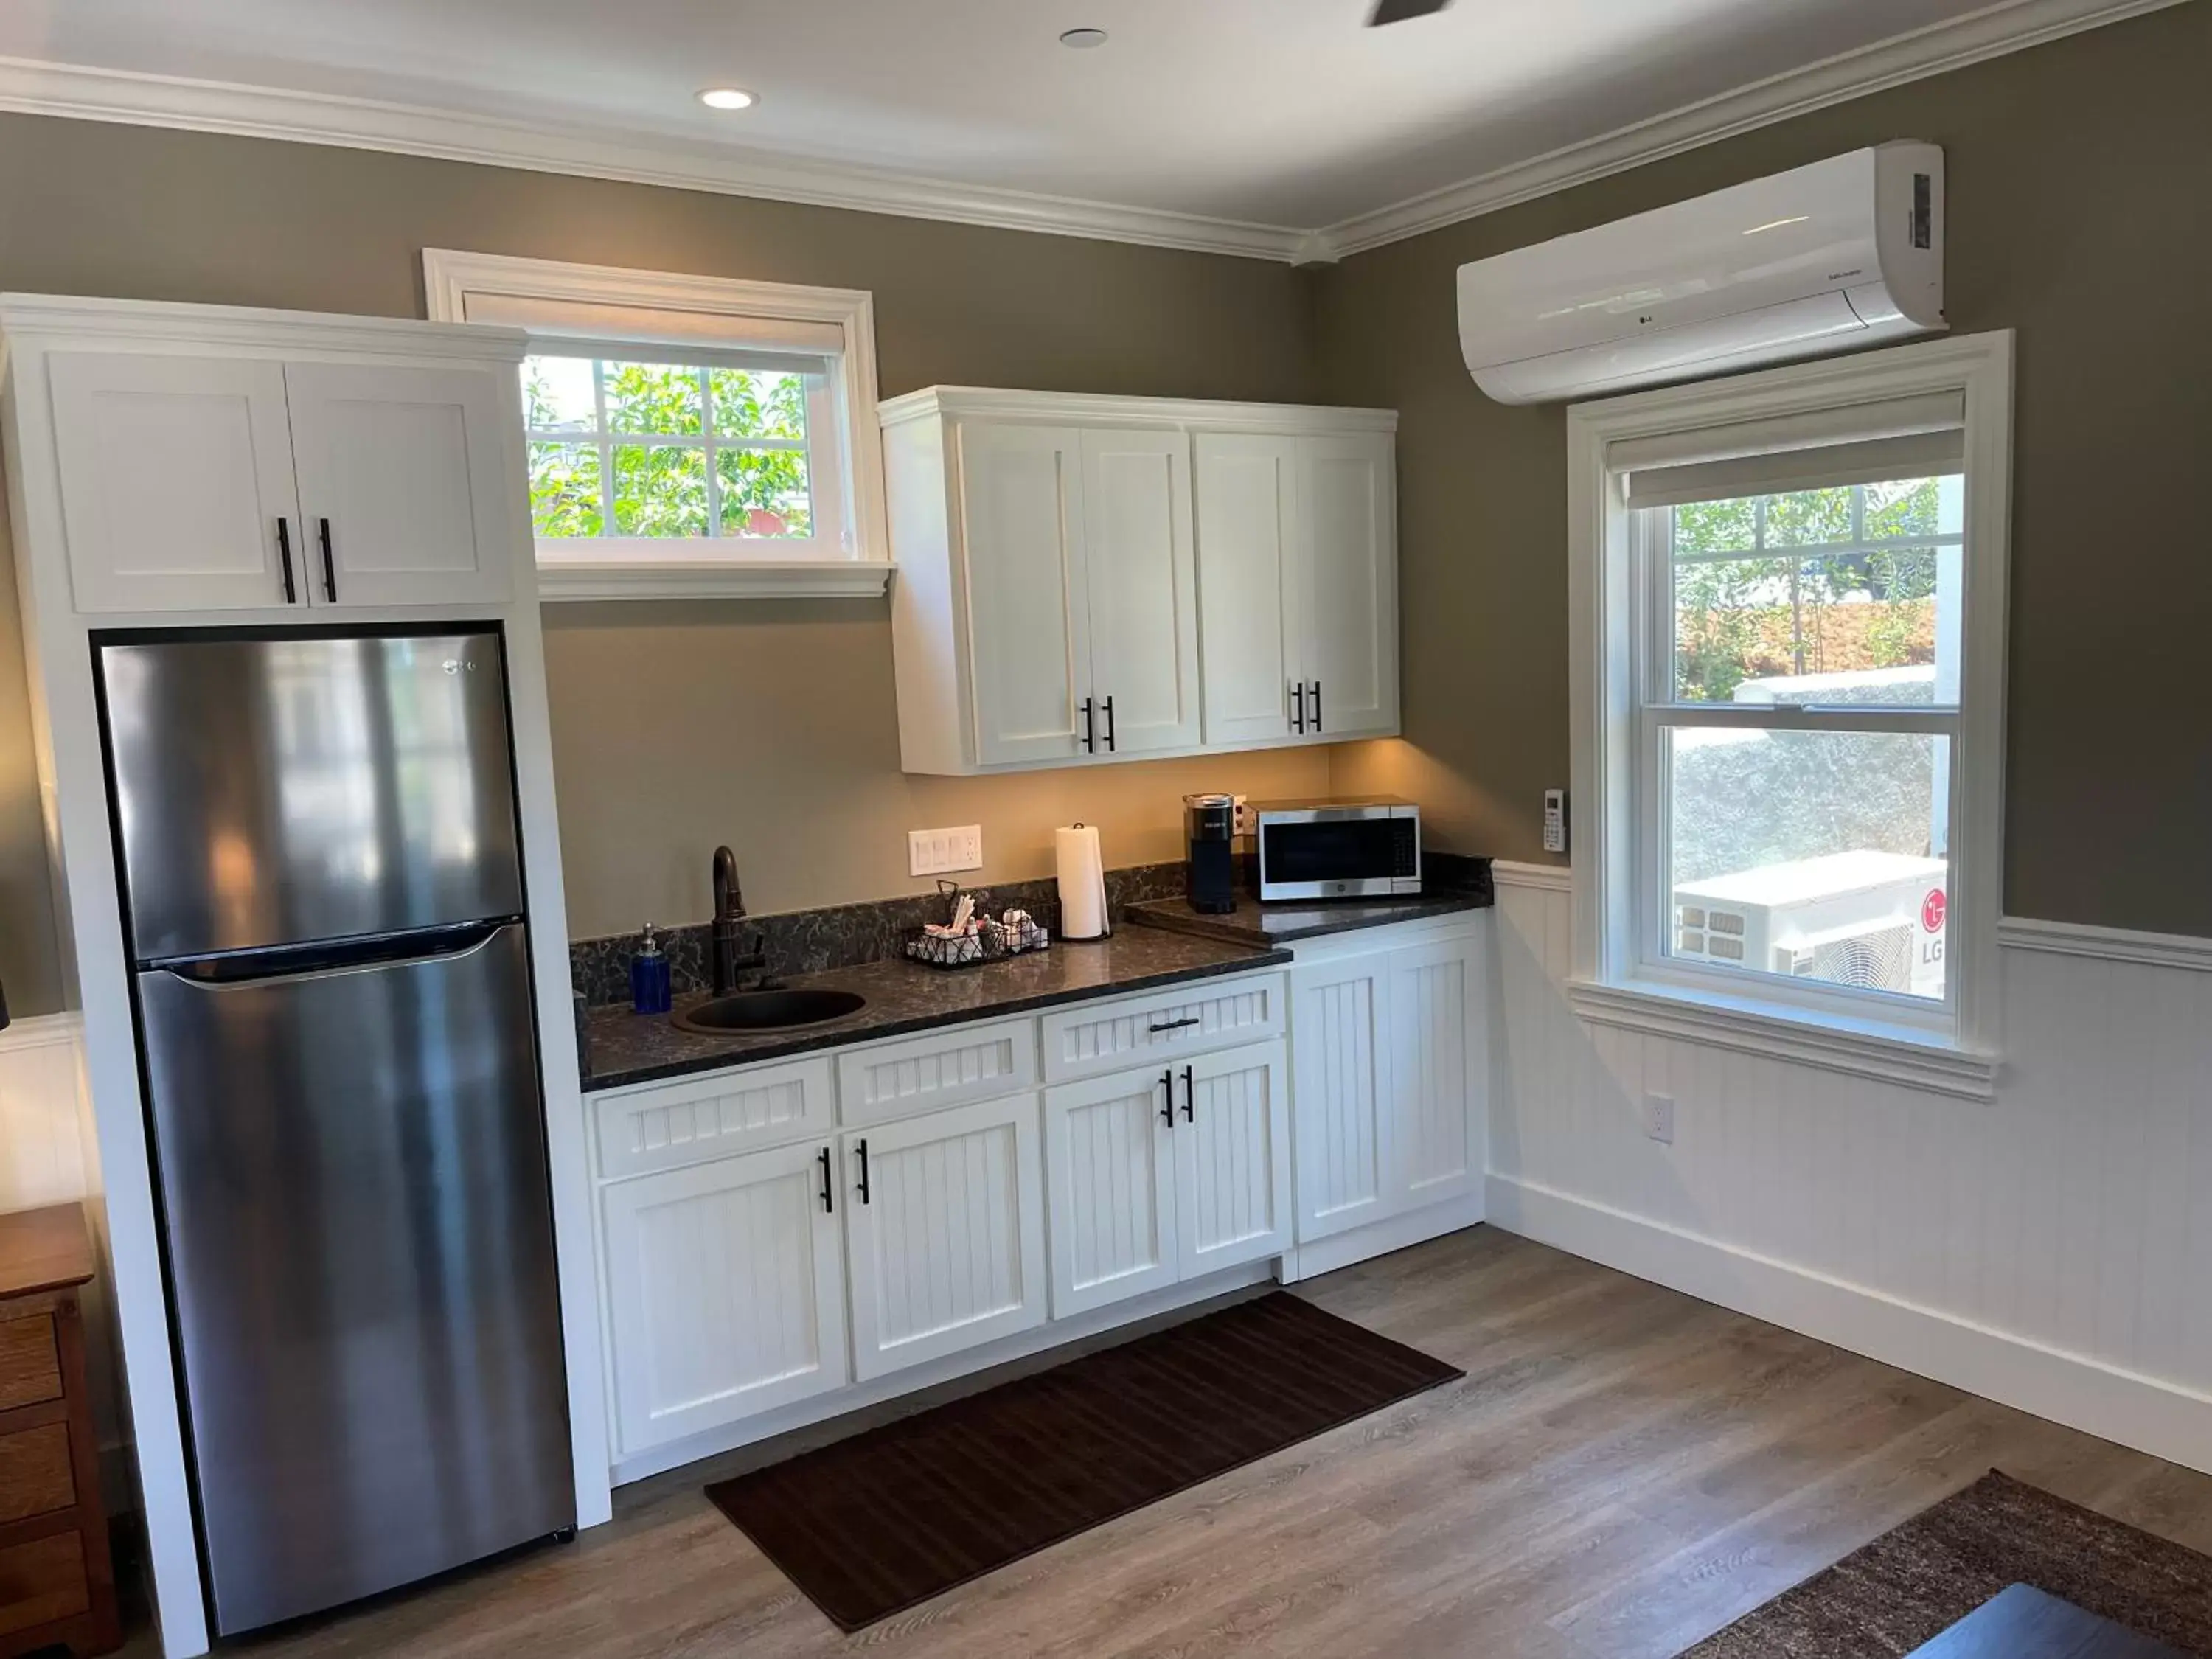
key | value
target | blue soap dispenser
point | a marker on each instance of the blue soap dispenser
(650, 988)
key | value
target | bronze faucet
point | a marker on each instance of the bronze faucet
(728, 958)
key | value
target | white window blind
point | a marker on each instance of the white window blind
(650, 334)
(1899, 438)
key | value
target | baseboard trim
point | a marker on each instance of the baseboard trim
(1399, 1232)
(42, 1032)
(1053, 1333)
(2163, 1419)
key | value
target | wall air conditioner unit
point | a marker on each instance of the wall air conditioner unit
(1817, 259)
(1872, 920)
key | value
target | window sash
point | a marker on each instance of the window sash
(1655, 713)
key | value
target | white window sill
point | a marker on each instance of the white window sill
(698, 579)
(1868, 1049)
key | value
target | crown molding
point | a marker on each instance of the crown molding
(76, 92)
(1109, 409)
(2008, 27)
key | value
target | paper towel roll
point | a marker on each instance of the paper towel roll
(1082, 882)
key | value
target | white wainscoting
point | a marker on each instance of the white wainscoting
(48, 1155)
(2051, 1249)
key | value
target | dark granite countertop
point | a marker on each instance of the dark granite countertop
(622, 1048)
(1264, 926)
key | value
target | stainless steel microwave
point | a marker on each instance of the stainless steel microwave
(1337, 847)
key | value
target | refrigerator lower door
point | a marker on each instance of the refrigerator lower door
(353, 1178)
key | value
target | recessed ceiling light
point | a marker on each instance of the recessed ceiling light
(727, 98)
(1084, 38)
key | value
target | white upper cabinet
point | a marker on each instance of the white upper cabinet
(257, 475)
(407, 484)
(1084, 578)
(177, 481)
(1143, 592)
(1347, 583)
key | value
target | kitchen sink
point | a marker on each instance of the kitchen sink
(769, 1011)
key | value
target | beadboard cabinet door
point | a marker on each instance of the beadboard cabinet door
(1439, 1065)
(1347, 583)
(945, 1231)
(176, 481)
(408, 489)
(1342, 1036)
(1111, 1167)
(1233, 1137)
(1028, 578)
(726, 1292)
(1143, 592)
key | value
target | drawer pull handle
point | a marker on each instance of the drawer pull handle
(829, 1205)
(1167, 1108)
(1184, 1024)
(1189, 1097)
(861, 1147)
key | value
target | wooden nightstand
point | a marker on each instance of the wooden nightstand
(56, 1579)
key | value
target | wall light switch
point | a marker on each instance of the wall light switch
(1659, 1117)
(936, 852)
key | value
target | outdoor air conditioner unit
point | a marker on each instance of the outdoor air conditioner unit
(1873, 919)
(1820, 258)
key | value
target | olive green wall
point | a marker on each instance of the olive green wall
(2080, 178)
(771, 727)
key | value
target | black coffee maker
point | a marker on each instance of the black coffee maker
(1210, 877)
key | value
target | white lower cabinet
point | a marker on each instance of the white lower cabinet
(727, 1291)
(1158, 1176)
(1390, 1071)
(945, 1229)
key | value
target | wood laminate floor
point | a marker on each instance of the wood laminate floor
(1623, 1470)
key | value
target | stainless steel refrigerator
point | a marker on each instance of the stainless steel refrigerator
(325, 902)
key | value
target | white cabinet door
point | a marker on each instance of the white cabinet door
(1232, 1158)
(1029, 644)
(944, 1232)
(1142, 590)
(1437, 1070)
(1342, 1036)
(1246, 503)
(725, 1291)
(409, 491)
(177, 484)
(1109, 1153)
(1348, 582)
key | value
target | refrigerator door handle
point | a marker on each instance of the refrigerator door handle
(291, 967)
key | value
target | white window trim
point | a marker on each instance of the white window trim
(450, 277)
(1955, 1055)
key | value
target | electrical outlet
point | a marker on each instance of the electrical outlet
(1659, 1117)
(1243, 824)
(1555, 820)
(935, 852)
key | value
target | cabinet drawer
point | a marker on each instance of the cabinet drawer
(668, 1124)
(41, 1580)
(938, 1069)
(35, 1477)
(1213, 1013)
(30, 1369)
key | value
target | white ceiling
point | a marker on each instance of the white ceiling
(1279, 112)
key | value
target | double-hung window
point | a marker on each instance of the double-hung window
(1790, 620)
(687, 436)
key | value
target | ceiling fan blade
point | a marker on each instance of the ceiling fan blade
(1397, 11)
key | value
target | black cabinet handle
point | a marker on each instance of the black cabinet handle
(284, 553)
(1189, 1097)
(1109, 726)
(1090, 728)
(1186, 1021)
(829, 1204)
(861, 1147)
(330, 565)
(1317, 708)
(1167, 1109)
(1298, 706)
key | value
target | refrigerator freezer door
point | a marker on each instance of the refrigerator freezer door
(353, 1173)
(281, 791)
